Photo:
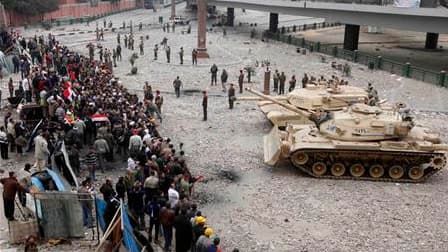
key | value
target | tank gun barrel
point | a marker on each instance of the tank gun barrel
(441, 147)
(280, 103)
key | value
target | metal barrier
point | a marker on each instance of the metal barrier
(372, 61)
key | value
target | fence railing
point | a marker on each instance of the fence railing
(372, 61)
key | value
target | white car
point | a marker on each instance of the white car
(180, 20)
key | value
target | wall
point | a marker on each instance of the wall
(69, 9)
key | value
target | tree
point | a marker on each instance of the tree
(31, 7)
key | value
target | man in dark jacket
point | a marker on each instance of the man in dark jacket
(184, 234)
(136, 204)
(10, 188)
(167, 218)
(153, 211)
(204, 104)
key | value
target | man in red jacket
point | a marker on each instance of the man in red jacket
(10, 188)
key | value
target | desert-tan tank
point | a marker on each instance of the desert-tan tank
(317, 95)
(357, 142)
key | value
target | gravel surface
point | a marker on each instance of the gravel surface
(258, 208)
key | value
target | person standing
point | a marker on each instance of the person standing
(10, 188)
(204, 104)
(167, 217)
(181, 55)
(41, 152)
(177, 83)
(114, 57)
(194, 57)
(119, 52)
(282, 80)
(240, 81)
(91, 162)
(184, 234)
(275, 77)
(304, 80)
(118, 38)
(11, 87)
(3, 143)
(120, 188)
(156, 49)
(141, 47)
(153, 211)
(232, 97)
(224, 77)
(158, 100)
(86, 202)
(101, 148)
(292, 83)
(214, 72)
(136, 204)
(168, 53)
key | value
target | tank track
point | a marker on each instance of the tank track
(368, 159)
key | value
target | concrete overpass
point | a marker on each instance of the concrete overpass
(430, 20)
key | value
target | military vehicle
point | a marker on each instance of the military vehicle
(312, 97)
(358, 142)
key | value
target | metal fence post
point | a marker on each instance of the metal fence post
(442, 78)
(407, 69)
(379, 62)
(355, 56)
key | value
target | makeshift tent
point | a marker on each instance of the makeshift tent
(120, 222)
(54, 204)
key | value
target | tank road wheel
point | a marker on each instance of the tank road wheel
(300, 158)
(396, 172)
(357, 170)
(376, 171)
(337, 169)
(415, 172)
(319, 168)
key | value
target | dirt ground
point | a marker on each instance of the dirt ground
(258, 208)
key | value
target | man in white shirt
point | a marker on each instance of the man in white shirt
(173, 196)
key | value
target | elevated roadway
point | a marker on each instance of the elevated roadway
(433, 20)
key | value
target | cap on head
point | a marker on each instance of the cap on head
(200, 220)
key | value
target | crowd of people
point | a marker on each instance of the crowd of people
(100, 123)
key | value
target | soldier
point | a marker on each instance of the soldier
(110, 24)
(292, 83)
(231, 94)
(114, 56)
(119, 52)
(304, 80)
(131, 42)
(194, 57)
(168, 52)
(214, 72)
(102, 34)
(163, 27)
(240, 81)
(181, 55)
(275, 76)
(101, 54)
(158, 101)
(140, 26)
(224, 77)
(156, 49)
(104, 23)
(97, 33)
(177, 84)
(141, 47)
(118, 38)
(91, 51)
(282, 80)
(204, 104)
(126, 41)
(168, 27)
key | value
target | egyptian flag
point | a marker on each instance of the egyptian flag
(68, 92)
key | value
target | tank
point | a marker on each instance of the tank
(315, 96)
(358, 142)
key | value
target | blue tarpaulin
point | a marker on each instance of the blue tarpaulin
(100, 208)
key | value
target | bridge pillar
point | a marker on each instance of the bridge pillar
(202, 29)
(230, 16)
(431, 40)
(273, 22)
(351, 37)
(173, 9)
